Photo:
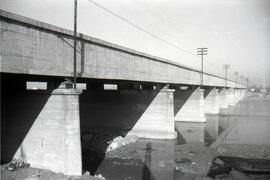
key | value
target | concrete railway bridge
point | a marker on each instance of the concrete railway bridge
(119, 88)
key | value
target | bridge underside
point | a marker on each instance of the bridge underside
(36, 123)
(127, 93)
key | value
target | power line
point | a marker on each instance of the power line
(168, 25)
(141, 29)
(154, 14)
(150, 33)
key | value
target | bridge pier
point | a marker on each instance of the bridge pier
(211, 101)
(231, 97)
(133, 109)
(245, 93)
(223, 98)
(53, 141)
(237, 95)
(242, 94)
(189, 105)
(157, 121)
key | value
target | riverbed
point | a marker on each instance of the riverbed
(222, 148)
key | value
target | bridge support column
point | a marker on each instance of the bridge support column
(231, 97)
(237, 96)
(53, 142)
(211, 101)
(189, 105)
(157, 121)
(242, 93)
(223, 100)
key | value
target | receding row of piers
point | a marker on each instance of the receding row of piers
(147, 111)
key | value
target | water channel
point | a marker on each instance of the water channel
(240, 131)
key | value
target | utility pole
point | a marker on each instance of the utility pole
(202, 52)
(236, 75)
(241, 80)
(75, 46)
(226, 67)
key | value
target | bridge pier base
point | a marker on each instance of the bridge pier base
(189, 105)
(223, 100)
(211, 101)
(237, 96)
(242, 94)
(231, 97)
(157, 121)
(245, 93)
(53, 142)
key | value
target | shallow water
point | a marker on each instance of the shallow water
(246, 123)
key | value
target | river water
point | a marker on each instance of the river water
(242, 130)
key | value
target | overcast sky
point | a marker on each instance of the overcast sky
(236, 32)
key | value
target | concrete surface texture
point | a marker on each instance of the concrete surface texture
(53, 142)
(191, 132)
(223, 100)
(211, 101)
(32, 47)
(192, 105)
(231, 97)
(146, 113)
(157, 122)
(44, 127)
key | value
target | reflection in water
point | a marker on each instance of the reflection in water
(146, 172)
(191, 132)
(246, 123)
(211, 129)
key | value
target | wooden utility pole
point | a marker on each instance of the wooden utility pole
(226, 67)
(75, 46)
(202, 52)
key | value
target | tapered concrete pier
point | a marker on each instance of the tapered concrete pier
(211, 101)
(223, 100)
(191, 105)
(53, 142)
(157, 122)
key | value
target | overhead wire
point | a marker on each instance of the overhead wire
(142, 29)
(151, 13)
(150, 33)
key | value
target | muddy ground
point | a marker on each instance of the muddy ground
(190, 161)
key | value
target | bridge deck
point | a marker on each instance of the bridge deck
(33, 47)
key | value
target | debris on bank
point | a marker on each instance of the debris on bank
(99, 176)
(194, 158)
(17, 164)
(121, 141)
(29, 173)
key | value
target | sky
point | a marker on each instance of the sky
(236, 32)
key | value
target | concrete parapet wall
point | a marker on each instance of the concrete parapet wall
(32, 47)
